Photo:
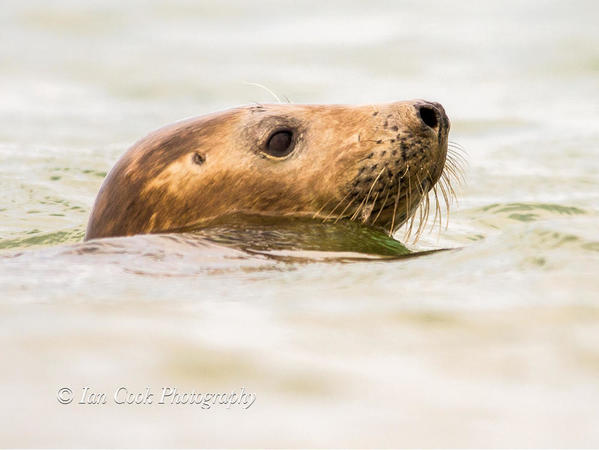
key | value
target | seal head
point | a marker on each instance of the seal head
(373, 163)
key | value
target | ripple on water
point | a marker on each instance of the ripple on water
(526, 212)
(42, 239)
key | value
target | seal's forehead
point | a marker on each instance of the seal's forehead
(293, 115)
(290, 109)
(329, 109)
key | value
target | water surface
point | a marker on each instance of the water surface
(493, 344)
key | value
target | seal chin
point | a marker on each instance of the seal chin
(375, 164)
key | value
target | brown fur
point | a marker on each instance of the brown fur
(346, 161)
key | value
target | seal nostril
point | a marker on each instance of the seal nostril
(429, 116)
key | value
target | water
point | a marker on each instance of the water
(493, 344)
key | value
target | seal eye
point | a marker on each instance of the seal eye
(280, 143)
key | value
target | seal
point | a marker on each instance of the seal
(372, 163)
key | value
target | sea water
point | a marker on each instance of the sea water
(496, 343)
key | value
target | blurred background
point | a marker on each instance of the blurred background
(493, 345)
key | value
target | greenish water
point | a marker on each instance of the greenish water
(494, 344)
(255, 233)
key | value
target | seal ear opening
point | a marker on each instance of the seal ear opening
(198, 158)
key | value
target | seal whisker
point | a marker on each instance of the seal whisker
(446, 177)
(337, 206)
(437, 207)
(367, 196)
(408, 207)
(458, 149)
(447, 182)
(408, 198)
(419, 206)
(395, 205)
(437, 210)
(372, 205)
(455, 172)
(458, 146)
(383, 203)
(423, 206)
(455, 162)
(457, 168)
(440, 183)
(265, 88)
(458, 152)
(427, 210)
(340, 216)
(317, 213)
(427, 206)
